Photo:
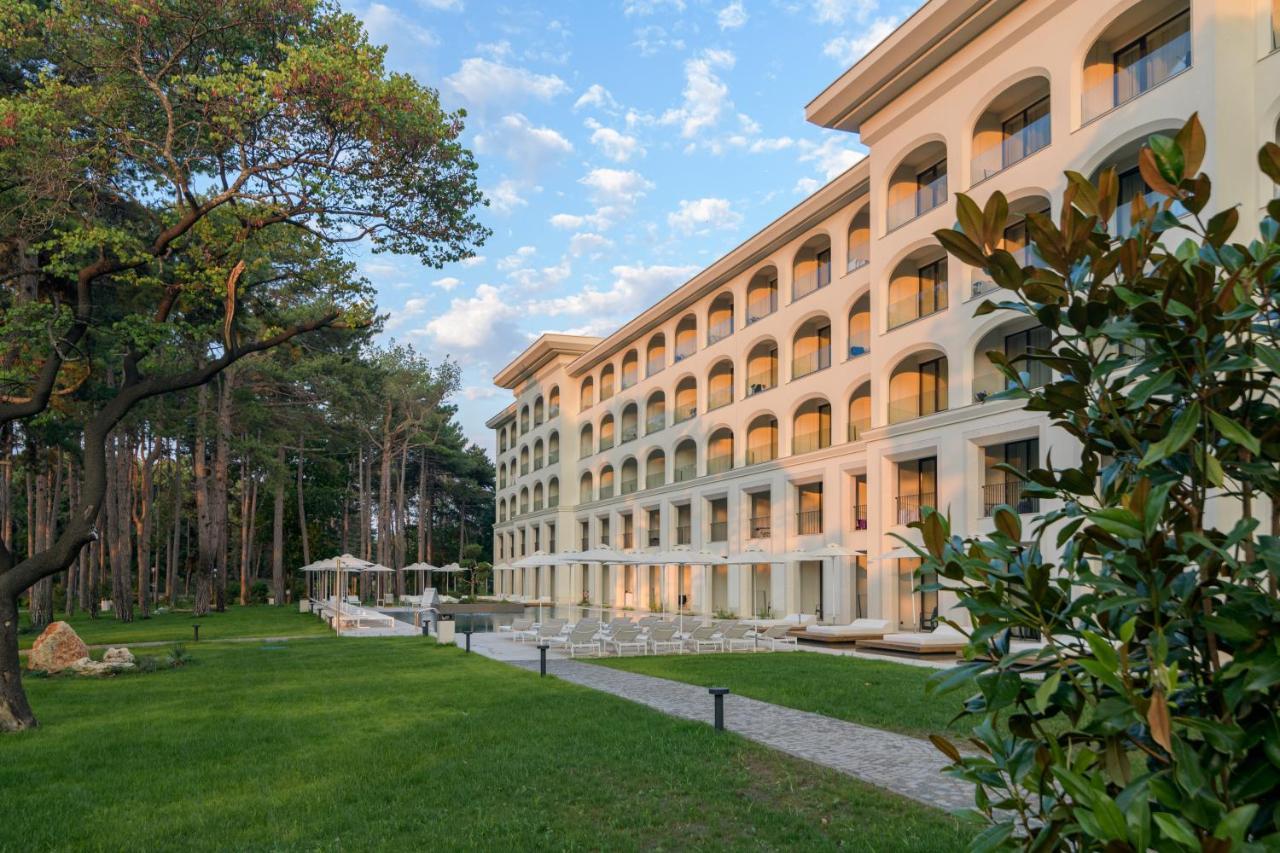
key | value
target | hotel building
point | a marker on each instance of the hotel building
(826, 379)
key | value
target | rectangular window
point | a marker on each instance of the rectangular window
(1024, 133)
(931, 187)
(933, 386)
(1018, 345)
(917, 487)
(824, 267)
(1002, 487)
(933, 288)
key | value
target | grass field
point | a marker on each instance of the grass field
(256, 621)
(377, 743)
(871, 692)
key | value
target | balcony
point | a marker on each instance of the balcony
(685, 413)
(719, 464)
(606, 492)
(684, 534)
(553, 457)
(719, 532)
(626, 540)
(808, 282)
(761, 527)
(804, 442)
(537, 464)
(629, 433)
(920, 202)
(859, 256)
(761, 381)
(685, 472)
(1122, 220)
(655, 539)
(1130, 81)
(860, 517)
(762, 453)
(655, 423)
(909, 506)
(819, 359)
(584, 544)
(552, 412)
(524, 468)
(606, 443)
(858, 429)
(629, 378)
(629, 485)
(1010, 494)
(1012, 149)
(553, 502)
(653, 481)
(654, 366)
(922, 303)
(719, 331)
(809, 522)
(537, 504)
(719, 397)
(761, 307)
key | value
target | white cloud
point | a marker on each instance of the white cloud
(411, 311)
(505, 197)
(596, 96)
(831, 157)
(473, 261)
(653, 38)
(843, 11)
(617, 146)
(588, 243)
(443, 5)
(849, 49)
(447, 283)
(649, 7)
(807, 186)
(702, 215)
(387, 26)
(732, 16)
(567, 221)
(484, 83)
(706, 96)
(523, 143)
(779, 143)
(616, 186)
(633, 287)
(517, 258)
(479, 392)
(476, 321)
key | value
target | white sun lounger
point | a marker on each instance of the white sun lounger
(943, 640)
(662, 638)
(858, 629)
(777, 637)
(626, 638)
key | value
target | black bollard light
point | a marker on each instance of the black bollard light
(467, 634)
(542, 655)
(719, 694)
(196, 629)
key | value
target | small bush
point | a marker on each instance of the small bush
(147, 664)
(178, 656)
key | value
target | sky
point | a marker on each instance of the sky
(623, 145)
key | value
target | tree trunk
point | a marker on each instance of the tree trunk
(277, 529)
(245, 499)
(143, 523)
(41, 606)
(202, 570)
(15, 711)
(221, 477)
(175, 501)
(302, 515)
(119, 524)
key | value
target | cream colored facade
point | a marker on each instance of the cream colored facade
(825, 379)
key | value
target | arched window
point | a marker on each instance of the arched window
(585, 492)
(630, 369)
(539, 414)
(1016, 339)
(1144, 46)
(524, 500)
(630, 480)
(918, 286)
(502, 440)
(762, 439)
(655, 470)
(655, 413)
(606, 382)
(811, 426)
(588, 394)
(606, 432)
(524, 419)
(553, 402)
(860, 411)
(860, 327)
(686, 337)
(811, 269)
(858, 248)
(720, 451)
(686, 461)
(553, 492)
(630, 422)
(606, 482)
(537, 454)
(811, 347)
(553, 448)
(524, 460)
(918, 184)
(918, 386)
(720, 384)
(762, 367)
(656, 355)
(686, 399)
(1014, 126)
(720, 318)
(762, 294)
(537, 497)
(586, 446)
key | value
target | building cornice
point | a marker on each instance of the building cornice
(539, 354)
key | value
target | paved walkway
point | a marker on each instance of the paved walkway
(900, 763)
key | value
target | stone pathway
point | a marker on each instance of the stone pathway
(900, 763)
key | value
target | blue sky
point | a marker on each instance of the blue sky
(623, 144)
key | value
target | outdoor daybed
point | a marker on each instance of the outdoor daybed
(858, 629)
(943, 640)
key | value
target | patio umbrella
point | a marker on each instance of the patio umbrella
(340, 565)
(450, 569)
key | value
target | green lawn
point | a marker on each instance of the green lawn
(255, 621)
(871, 692)
(381, 743)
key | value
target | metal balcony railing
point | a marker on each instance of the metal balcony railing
(909, 506)
(860, 517)
(809, 522)
(684, 534)
(761, 527)
(1010, 494)
(719, 531)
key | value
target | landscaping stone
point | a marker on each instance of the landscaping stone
(118, 656)
(120, 662)
(57, 648)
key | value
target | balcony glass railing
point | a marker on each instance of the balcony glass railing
(685, 412)
(719, 464)
(858, 428)
(920, 202)
(606, 491)
(922, 303)
(719, 331)
(653, 481)
(1011, 149)
(629, 378)
(684, 349)
(719, 397)
(1010, 494)
(537, 463)
(685, 472)
(761, 526)
(553, 457)
(552, 503)
(812, 362)
(606, 442)
(762, 380)
(1122, 220)
(537, 505)
(762, 306)
(719, 531)
(804, 442)
(655, 423)
(807, 282)
(629, 485)
(1129, 81)
(524, 468)
(587, 402)
(859, 256)
(552, 412)
(629, 433)
(909, 506)
(761, 453)
(655, 365)
(809, 522)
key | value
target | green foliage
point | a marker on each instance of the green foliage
(1148, 720)
(177, 656)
